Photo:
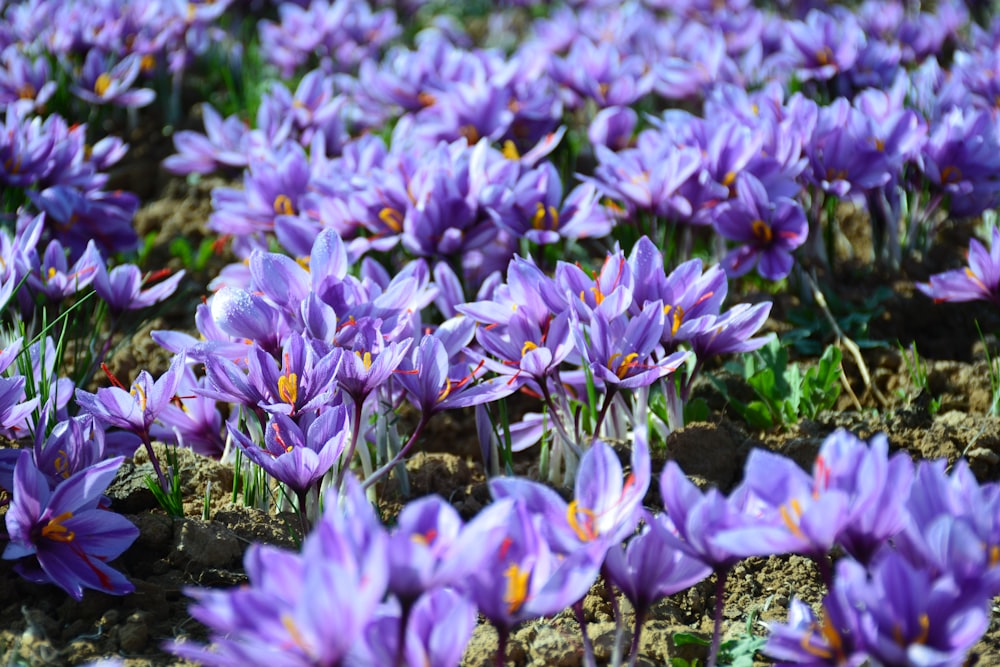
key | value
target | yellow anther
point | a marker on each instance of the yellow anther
(729, 178)
(627, 362)
(951, 174)
(293, 632)
(137, 391)
(762, 231)
(283, 205)
(288, 388)
(527, 347)
(366, 359)
(391, 218)
(510, 150)
(517, 587)
(102, 84)
(793, 522)
(54, 530)
(585, 530)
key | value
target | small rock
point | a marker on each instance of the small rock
(134, 635)
(552, 648)
(204, 545)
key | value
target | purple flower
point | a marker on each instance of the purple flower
(73, 445)
(833, 640)
(283, 617)
(70, 539)
(25, 83)
(824, 44)
(979, 281)
(605, 508)
(224, 144)
(372, 362)
(954, 527)
(438, 628)
(916, 619)
(524, 578)
(732, 331)
(961, 159)
(136, 408)
(434, 384)
(652, 566)
(769, 230)
(52, 276)
(100, 85)
(619, 351)
(297, 456)
(122, 288)
(192, 420)
(699, 518)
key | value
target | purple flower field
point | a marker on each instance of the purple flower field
(425, 333)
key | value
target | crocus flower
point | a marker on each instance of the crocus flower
(52, 276)
(978, 281)
(283, 617)
(223, 145)
(524, 578)
(834, 639)
(915, 618)
(954, 526)
(135, 410)
(618, 351)
(605, 508)
(99, 85)
(296, 456)
(651, 567)
(70, 539)
(433, 384)
(122, 287)
(769, 230)
(437, 631)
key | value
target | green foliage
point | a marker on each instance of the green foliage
(917, 369)
(811, 328)
(784, 392)
(737, 652)
(172, 499)
(194, 259)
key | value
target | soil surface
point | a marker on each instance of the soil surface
(41, 625)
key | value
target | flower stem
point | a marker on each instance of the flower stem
(720, 603)
(384, 470)
(355, 433)
(156, 463)
(588, 648)
(501, 656)
(608, 397)
(633, 653)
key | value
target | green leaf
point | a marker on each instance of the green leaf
(686, 639)
(696, 410)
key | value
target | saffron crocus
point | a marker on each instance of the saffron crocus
(283, 617)
(524, 578)
(954, 526)
(122, 287)
(978, 281)
(102, 85)
(769, 230)
(52, 276)
(136, 409)
(296, 456)
(833, 640)
(70, 539)
(651, 567)
(914, 618)
(436, 633)
(605, 508)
